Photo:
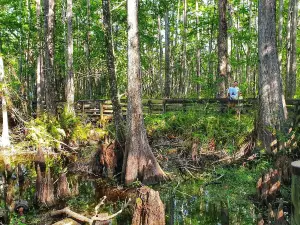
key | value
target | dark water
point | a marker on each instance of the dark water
(185, 203)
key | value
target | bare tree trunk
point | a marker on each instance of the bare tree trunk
(222, 48)
(290, 89)
(69, 88)
(248, 53)
(49, 56)
(110, 61)
(160, 86)
(27, 56)
(89, 77)
(198, 50)
(271, 111)
(5, 142)
(167, 56)
(280, 25)
(184, 80)
(139, 161)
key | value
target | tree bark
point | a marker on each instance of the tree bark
(167, 56)
(149, 209)
(139, 161)
(290, 89)
(160, 60)
(184, 80)
(49, 56)
(89, 80)
(222, 48)
(280, 26)
(5, 142)
(198, 50)
(69, 88)
(45, 188)
(63, 189)
(271, 112)
(110, 62)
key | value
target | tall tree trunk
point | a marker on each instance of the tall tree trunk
(280, 25)
(210, 48)
(248, 53)
(290, 89)
(222, 48)
(28, 75)
(167, 56)
(184, 81)
(39, 64)
(89, 77)
(5, 142)
(160, 57)
(139, 161)
(198, 50)
(110, 61)
(271, 111)
(69, 88)
(49, 56)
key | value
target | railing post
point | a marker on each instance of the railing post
(150, 106)
(295, 193)
(101, 109)
(164, 106)
(82, 107)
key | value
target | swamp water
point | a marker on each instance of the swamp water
(188, 202)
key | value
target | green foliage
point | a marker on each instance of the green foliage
(73, 126)
(203, 124)
(45, 131)
(49, 131)
(17, 220)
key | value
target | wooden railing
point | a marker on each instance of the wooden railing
(102, 108)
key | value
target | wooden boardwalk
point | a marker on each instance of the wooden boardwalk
(101, 109)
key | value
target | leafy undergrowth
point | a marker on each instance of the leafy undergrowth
(47, 131)
(225, 130)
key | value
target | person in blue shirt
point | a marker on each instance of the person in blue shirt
(233, 94)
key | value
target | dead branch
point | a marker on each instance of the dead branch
(71, 213)
(99, 205)
(82, 218)
(97, 218)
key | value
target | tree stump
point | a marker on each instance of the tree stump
(149, 209)
(105, 161)
(44, 188)
(63, 190)
(40, 160)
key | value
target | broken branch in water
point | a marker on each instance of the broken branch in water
(82, 218)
